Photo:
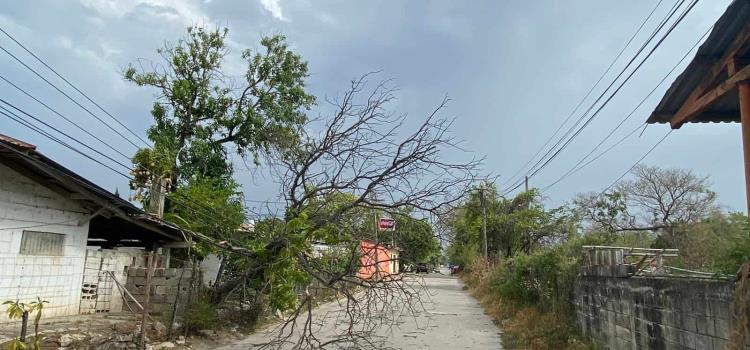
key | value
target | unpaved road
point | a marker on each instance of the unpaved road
(451, 320)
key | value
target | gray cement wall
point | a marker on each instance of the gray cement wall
(654, 312)
(164, 288)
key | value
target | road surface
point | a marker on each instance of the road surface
(450, 320)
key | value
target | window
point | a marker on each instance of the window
(42, 243)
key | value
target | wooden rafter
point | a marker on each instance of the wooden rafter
(701, 98)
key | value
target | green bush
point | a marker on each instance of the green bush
(545, 277)
(201, 315)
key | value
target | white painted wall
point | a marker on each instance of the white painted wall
(56, 279)
(209, 267)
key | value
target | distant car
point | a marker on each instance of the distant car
(455, 269)
(422, 268)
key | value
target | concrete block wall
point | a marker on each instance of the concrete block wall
(25, 203)
(655, 312)
(165, 284)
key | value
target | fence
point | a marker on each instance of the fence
(628, 298)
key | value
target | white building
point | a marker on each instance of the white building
(51, 220)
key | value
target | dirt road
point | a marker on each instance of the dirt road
(451, 320)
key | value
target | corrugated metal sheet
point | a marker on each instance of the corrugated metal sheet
(729, 25)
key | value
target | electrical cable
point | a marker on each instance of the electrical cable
(64, 117)
(601, 107)
(576, 167)
(580, 103)
(68, 96)
(72, 85)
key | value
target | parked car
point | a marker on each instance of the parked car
(455, 269)
(422, 268)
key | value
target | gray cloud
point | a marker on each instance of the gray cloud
(514, 70)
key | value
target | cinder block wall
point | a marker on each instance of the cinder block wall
(57, 279)
(655, 313)
(163, 288)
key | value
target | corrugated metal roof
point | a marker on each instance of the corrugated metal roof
(25, 157)
(16, 142)
(729, 25)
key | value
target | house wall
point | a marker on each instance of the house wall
(375, 260)
(394, 261)
(100, 291)
(56, 279)
(166, 285)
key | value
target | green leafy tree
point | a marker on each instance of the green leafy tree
(416, 239)
(200, 114)
(515, 225)
(716, 244)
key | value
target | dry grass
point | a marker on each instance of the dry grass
(524, 327)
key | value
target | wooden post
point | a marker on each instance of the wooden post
(147, 301)
(189, 303)
(744, 93)
(744, 97)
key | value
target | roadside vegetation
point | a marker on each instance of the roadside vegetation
(527, 282)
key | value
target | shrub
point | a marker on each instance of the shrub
(201, 315)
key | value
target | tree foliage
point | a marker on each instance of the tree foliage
(200, 111)
(662, 201)
(515, 225)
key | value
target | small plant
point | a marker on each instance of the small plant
(18, 310)
(201, 315)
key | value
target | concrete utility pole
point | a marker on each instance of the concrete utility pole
(526, 183)
(484, 221)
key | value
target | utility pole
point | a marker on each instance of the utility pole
(484, 222)
(526, 183)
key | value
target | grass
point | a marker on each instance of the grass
(527, 327)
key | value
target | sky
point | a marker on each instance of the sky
(514, 70)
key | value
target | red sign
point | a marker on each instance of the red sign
(386, 224)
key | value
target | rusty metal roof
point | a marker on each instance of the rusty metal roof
(729, 25)
(16, 142)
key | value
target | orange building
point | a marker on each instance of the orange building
(377, 260)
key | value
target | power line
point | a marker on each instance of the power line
(78, 104)
(575, 170)
(175, 200)
(19, 120)
(622, 84)
(74, 101)
(59, 132)
(72, 85)
(37, 225)
(576, 167)
(669, 15)
(580, 103)
(201, 236)
(68, 96)
(63, 143)
(638, 162)
(64, 117)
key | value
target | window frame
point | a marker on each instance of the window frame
(27, 235)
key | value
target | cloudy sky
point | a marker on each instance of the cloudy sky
(514, 70)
